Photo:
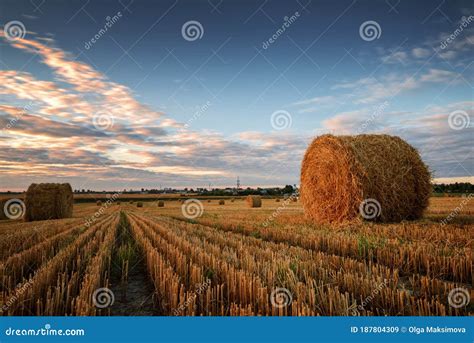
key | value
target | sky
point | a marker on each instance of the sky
(112, 94)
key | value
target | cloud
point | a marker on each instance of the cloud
(371, 90)
(420, 52)
(448, 152)
(316, 103)
(50, 132)
(396, 57)
(438, 76)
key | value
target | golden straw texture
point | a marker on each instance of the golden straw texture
(339, 173)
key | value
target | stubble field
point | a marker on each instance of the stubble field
(202, 258)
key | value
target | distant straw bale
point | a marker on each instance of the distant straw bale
(254, 201)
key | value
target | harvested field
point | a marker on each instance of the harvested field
(232, 260)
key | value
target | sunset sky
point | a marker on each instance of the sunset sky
(148, 104)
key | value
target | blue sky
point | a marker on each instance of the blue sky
(202, 109)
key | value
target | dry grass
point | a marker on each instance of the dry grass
(326, 268)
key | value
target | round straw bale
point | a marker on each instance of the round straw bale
(161, 203)
(221, 202)
(139, 204)
(376, 177)
(45, 201)
(99, 203)
(3, 215)
(254, 201)
(277, 200)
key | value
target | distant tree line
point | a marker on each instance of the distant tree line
(273, 191)
(458, 187)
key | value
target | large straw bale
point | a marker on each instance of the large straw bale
(3, 215)
(46, 201)
(376, 177)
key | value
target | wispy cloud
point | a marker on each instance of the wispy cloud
(52, 129)
(59, 134)
(447, 151)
